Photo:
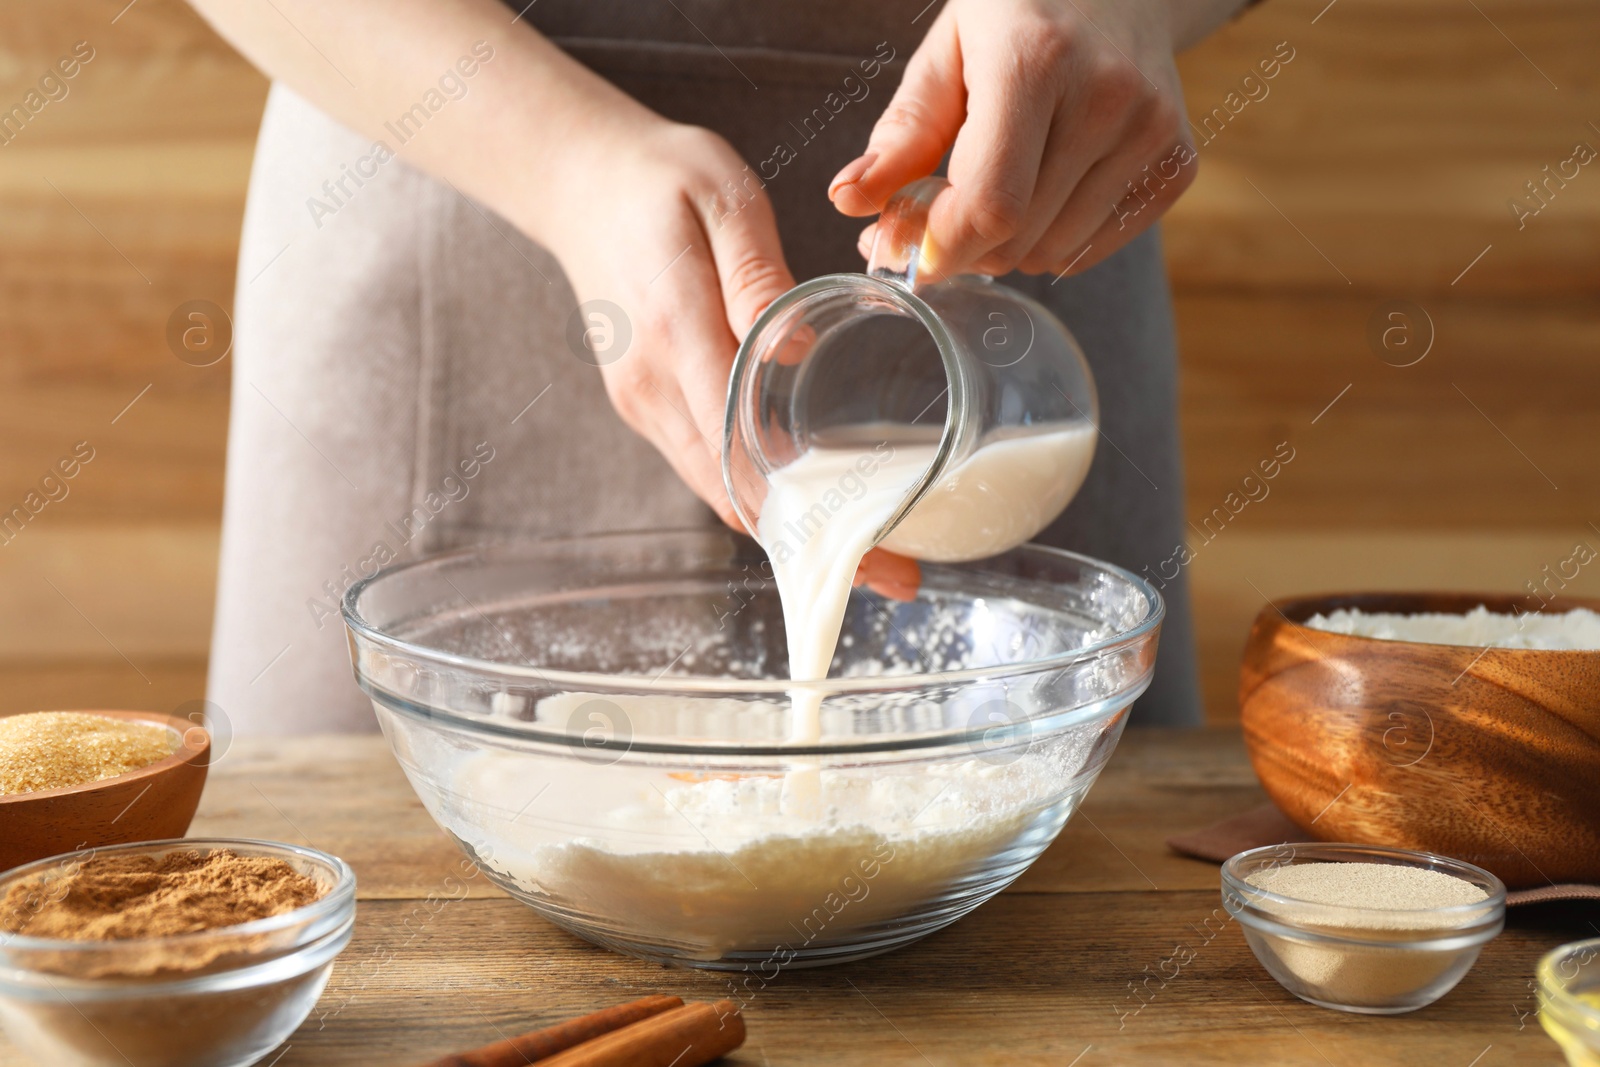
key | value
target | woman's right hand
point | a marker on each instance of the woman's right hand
(654, 229)
(648, 223)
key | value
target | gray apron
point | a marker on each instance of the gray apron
(403, 383)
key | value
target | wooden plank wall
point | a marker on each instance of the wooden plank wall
(117, 204)
(1376, 168)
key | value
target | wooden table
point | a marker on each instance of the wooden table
(1044, 974)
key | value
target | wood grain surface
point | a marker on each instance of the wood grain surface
(1070, 966)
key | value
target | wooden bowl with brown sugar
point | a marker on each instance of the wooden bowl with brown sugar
(1490, 756)
(152, 802)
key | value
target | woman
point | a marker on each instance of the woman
(444, 189)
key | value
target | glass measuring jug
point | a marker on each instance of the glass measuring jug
(982, 381)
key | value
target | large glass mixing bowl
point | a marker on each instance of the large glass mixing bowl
(600, 723)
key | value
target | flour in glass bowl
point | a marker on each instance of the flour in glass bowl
(713, 864)
(718, 864)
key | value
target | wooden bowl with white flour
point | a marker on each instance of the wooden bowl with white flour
(1490, 755)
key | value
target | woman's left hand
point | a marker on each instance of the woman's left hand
(1065, 125)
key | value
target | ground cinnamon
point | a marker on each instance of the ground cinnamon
(113, 898)
(138, 936)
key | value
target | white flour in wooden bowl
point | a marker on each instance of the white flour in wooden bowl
(1480, 628)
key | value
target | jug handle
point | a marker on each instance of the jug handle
(900, 240)
(899, 254)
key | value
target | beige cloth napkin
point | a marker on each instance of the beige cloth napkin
(1266, 825)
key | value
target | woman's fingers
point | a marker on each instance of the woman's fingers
(864, 240)
(694, 257)
(1048, 114)
(995, 163)
(692, 456)
(1069, 152)
(894, 576)
(672, 387)
(749, 260)
(914, 131)
(1106, 108)
(727, 274)
(1155, 188)
(1128, 220)
(1120, 198)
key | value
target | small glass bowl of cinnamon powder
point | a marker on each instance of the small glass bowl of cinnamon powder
(182, 953)
(1363, 928)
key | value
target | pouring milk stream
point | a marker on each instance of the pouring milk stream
(819, 489)
(816, 535)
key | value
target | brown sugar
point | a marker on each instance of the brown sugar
(55, 749)
(112, 897)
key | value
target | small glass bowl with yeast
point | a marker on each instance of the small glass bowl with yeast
(1336, 947)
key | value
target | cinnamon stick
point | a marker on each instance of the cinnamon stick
(537, 1045)
(689, 1036)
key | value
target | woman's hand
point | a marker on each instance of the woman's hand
(649, 227)
(653, 231)
(1065, 125)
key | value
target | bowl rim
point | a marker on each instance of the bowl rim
(696, 685)
(298, 962)
(190, 750)
(1492, 908)
(1283, 612)
(738, 751)
(338, 898)
(1555, 992)
(1446, 939)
